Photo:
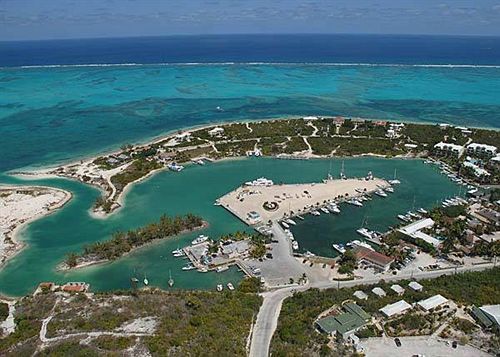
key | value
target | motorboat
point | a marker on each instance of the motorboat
(339, 248)
(381, 193)
(421, 210)
(200, 239)
(175, 167)
(295, 245)
(324, 209)
(284, 224)
(355, 202)
(290, 221)
(315, 213)
(219, 287)
(222, 268)
(189, 267)
(230, 286)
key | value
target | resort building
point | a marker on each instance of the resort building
(378, 260)
(488, 316)
(399, 307)
(216, 132)
(414, 230)
(432, 302)
(449, 149)
(415, 286)
(346, 323)
(481, 150)
(478, 171)
(398, 289)
(360, 295)
(378, 291)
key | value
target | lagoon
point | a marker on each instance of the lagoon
(194, 190)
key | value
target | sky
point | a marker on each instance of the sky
(54, 19)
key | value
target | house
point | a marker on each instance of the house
(360, 295)
(377, 260)
(216, 132)
(481, 150)
(75, 287)
(399, 307)
(488, 316)
(378, 291)
(182, 137)
(339, 121)
(345, 324)
(449, 149)
(380, 123)
(432, 302)
(398, 289)
(415, 286)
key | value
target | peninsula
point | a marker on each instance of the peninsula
(20, 205)
(301, 138)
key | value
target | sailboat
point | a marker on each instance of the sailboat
(394, 181)
(342, 174)
(145, 281)
(170, 280)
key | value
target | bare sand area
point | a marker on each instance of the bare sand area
(295, 198)
(21, 205)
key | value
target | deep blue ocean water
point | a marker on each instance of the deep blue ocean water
(60, 100)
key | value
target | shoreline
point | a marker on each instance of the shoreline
(14, 233)
(62, 267)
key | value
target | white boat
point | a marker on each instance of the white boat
(355, 202)
(284, 224)
(145, 281)
(333, 208)
(177, 251)
(230, 286)
(199, 162)
(300, 217)
(203, 270)
(315, 213)
(170, 280)
(189, 267)
(217, 203)
(361, 244)
(381, 193)
(295, 245)
(364, 232)
(421, 210)
(174, 167)
(221, 269)
(290, 221)
(403, 217)
(389, 189)
(325, 210)
(179, 254)
(262, 181)
(394, 181)
(200, 239)
(339, 248)
(219, 287)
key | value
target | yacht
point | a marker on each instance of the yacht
(179, 254)
(219, 287)
(145, 281)
(403, 217)
(200, 239)
(315, 213)
(177, 251)
(421, 210)
(260, 182)
(290, 221)
(284, 224)
(394, 181)
(324, 209)
(333, 208)
(381, 193)
(222, 268)
(295, 245)
(170, 280)
(355, 202)
(174, 167)
(189, 267)
(230, 286)
(389, 189)
(364, 232)
(339, 248)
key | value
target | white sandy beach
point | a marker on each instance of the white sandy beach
(21, 205)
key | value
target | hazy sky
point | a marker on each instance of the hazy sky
(46, 19)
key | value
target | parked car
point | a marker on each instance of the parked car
(397, 341)
(454, 344)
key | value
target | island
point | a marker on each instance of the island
(20, 205)
(297, 138)
(125, 242)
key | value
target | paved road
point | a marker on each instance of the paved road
(267, 318)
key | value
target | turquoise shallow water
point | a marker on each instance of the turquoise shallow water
(194, 190)
(49, 115)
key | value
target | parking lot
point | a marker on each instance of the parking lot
(418, 345)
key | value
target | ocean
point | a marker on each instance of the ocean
(63, 100)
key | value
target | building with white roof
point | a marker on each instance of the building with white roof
(448, 148)
(360, 295)
(217, 131)
(481, 149)
(398, 289)
(478, 171)
(310, 118)
(415, 286)
(396, 308)
(414, 230)
(488, 316)
(379, 292)
(432, 302)
(186, 136)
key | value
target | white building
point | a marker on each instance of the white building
(310, 118)
(478, 171)
(432, 302)
(398, 289)
(379, 292)
(397, 308)
(415, 286)
(414, 230)
(360, 295)
(448, 148)
(186, 136)
(217, 131)
(481, 149)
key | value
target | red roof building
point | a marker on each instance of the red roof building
(379, 260)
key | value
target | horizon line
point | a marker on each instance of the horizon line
(254, 34)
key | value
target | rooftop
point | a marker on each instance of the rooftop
(378, 291)
(415, 286)
(432, 302)
(397, 288)
(493, 312)
(373, 256)
(396, 308)
(360, 295)
(354, 318)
